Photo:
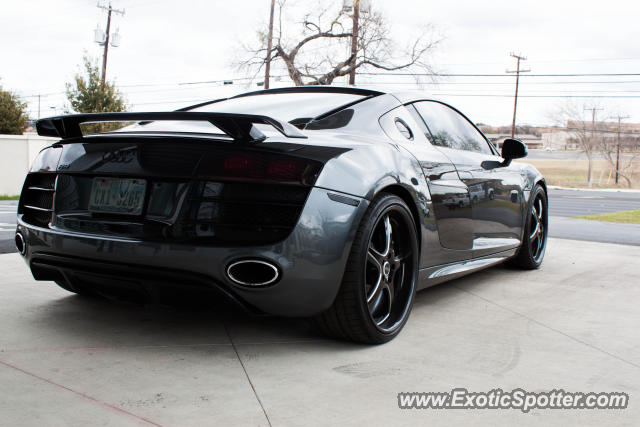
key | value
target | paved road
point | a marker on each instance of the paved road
(568, 203)
(584, 202)
(594, 231)
(7, 225)
(572, 324)
(562, 204)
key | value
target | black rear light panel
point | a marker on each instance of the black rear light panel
(258, 166)
(231, 213)
(243, 213)
(253, 198)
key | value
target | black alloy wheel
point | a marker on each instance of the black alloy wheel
(379, 285)
(534, 241)
(388, 279)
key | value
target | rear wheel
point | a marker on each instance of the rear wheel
(378, 286)
(534, 242)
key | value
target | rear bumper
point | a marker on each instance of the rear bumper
(311, 259)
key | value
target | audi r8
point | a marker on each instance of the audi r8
(335, 204)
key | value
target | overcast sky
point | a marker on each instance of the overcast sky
(169, 42)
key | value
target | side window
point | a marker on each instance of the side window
(447, 128)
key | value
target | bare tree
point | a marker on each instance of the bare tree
(608, 146)
(599, 137)
(319, 50)
(582, 130)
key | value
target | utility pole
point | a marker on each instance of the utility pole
(267, 68)
(618, 146)
(109, 10)
(593, 121)
(593, 125)
(354, 41)
(38, 106)
(515, 100)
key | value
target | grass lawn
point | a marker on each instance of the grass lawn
(5, 197)
(573, 173)
(629, 217)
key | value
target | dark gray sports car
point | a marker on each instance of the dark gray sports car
(323, 202)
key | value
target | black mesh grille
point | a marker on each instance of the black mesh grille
(242, 213)
(36, 202)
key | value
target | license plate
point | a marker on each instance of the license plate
(117, 195)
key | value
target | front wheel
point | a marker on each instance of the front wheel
(378, 287)
(534, 241)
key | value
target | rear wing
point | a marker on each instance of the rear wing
(240, 127)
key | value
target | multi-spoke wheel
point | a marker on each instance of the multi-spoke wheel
(388, 289)
(378, 287)
(537, 229)
(534, 241)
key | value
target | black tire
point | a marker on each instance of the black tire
(534, 240)
(376, 313)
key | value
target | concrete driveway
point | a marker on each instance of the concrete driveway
(574, 324)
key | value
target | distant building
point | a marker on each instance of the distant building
(564, 137)
(558, 138)
(531, 141)
(627, 128)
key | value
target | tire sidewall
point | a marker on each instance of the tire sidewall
(526, 248)
(380, 207)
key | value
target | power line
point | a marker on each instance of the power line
(536, 61)
(539, 96)
(563, 82)
(243, 79)
(373, 73)
(437, 94)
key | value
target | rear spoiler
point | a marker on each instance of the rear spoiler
(240, 127)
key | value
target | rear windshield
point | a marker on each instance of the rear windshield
(283, 106)
(288, 107)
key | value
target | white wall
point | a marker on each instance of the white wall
(557, 139)
(16, 154)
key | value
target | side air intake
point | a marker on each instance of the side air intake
(36, 201)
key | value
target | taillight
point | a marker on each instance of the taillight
(286, 169)
(243, 166)
(247, 165)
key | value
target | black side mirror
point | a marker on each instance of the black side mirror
(513, 149)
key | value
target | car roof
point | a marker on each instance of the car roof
(404, 97)
(354, 90)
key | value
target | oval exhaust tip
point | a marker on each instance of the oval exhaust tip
(253, 272)
(21, 245)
